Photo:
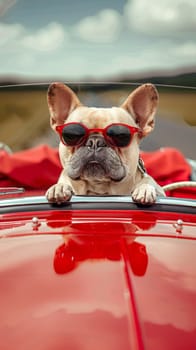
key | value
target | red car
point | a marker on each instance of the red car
(99, 273)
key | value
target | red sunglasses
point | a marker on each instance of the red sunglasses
(116, 134)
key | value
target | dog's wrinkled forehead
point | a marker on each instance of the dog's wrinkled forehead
(100, 117)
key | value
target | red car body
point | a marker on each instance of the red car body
(97, 273)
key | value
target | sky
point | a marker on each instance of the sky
(85, 39)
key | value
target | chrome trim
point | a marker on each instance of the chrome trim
(11, 190)
(37, 200)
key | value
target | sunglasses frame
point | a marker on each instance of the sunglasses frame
(133, 130)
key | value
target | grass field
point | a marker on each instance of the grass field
(24, 115)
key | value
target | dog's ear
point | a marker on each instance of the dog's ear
(61, 102)
(142, 105)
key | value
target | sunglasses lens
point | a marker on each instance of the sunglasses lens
(118, 135)
(73, 134)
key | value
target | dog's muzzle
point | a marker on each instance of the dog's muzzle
(96, 160)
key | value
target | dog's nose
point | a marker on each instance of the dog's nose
(95, 142)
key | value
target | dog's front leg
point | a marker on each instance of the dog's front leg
(146, 191)
(61, 191)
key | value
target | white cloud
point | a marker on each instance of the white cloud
(9, 33)
(74, 53)
(186, 50)
(104, 27)
(15, 37)
(22, 50)
(162, 17)
(159, 56)
(48, 38)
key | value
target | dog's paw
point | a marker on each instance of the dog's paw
(144, 194)
(59, 193)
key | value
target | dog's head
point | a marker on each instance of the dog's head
(101, 143)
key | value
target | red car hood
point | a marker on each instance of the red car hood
(96, 280)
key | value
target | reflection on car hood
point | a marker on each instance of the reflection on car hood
(98, 279)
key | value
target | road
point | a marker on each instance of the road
(169, 133)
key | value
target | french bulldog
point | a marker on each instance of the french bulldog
(99, 147)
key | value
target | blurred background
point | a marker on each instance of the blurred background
(102, 49)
